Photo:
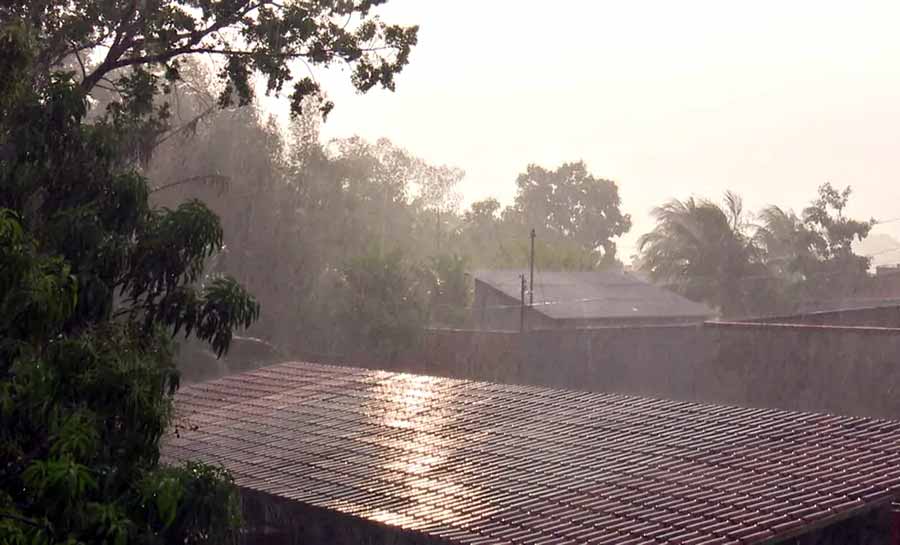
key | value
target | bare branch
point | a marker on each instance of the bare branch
(125, 41)
(77, 54)
(190, 125)
(209, 179)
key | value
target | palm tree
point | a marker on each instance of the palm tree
(789, 246)
(700, 249)
(788, 250)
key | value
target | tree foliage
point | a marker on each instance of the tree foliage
(813, 254)
(148, 41)
(297, 212)
(96, 280)
(95, 283)
(385, 302)
(783, 261)
(449, 290)
(701, 249)
(570, 204)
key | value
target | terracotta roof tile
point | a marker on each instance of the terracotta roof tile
(480, 463)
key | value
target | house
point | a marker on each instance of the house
(343, 455)
(577, 300)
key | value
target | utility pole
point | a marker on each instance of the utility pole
(522, 308)
(531, 280)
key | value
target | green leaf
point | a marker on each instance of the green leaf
(168, 495)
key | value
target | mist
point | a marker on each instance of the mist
(399, 272)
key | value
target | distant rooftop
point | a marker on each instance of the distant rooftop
(481, 463)
(586, 295)
(846, 304)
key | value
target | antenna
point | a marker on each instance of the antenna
(522, 307)
(531, 280)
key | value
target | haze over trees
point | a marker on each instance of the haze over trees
(576, 217)
(716, 254)
(302, 216)
(96, 280)
(311, 226)
(147, 207)
(702, 250)
(569, 204)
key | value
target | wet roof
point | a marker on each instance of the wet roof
(594, 295)
(483, 463)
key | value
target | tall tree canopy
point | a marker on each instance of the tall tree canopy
(833, 233)
(94, 284)
(95, 281)
(813, 253)
(570, 204)
(151, 37)
(299, 213)
(781, 263)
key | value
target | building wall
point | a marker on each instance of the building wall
(877, 527)
(853, 371)
(269, 520)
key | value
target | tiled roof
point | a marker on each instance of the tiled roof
(593, 295)
(483, 463)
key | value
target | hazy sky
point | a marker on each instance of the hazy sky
(667, 98)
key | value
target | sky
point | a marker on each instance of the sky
(669, 99)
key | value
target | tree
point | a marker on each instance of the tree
(383, 303)
(569, 204)
(786, 246)
(490, 239)
(780, 264)
(449, 291)
(702, 251)
(482, 212)
(147, 40)
(95, 281)
(838, 272)
(813, 254)
(295, 212)
(785, 241)
(833, 233)
(482, 235)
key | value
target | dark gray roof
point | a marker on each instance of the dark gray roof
(587, 295)
(476, 463)
(845, 304)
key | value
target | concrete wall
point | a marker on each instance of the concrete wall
(853, 371)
